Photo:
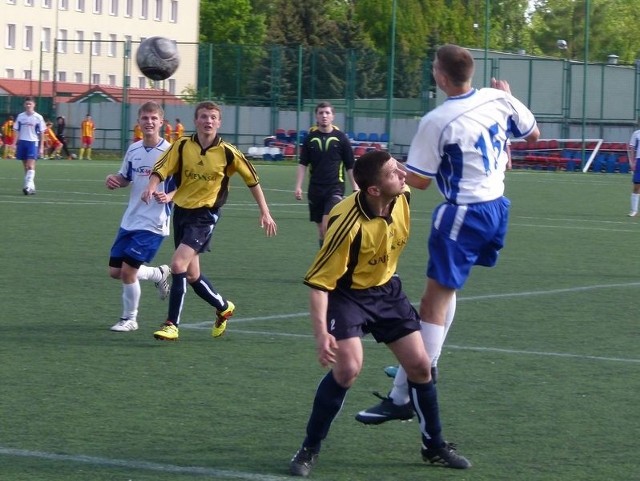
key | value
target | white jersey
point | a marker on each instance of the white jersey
(462, 144)
(136, 167)
(29, 127)
(634, 143)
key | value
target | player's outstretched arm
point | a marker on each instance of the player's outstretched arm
(266, 221)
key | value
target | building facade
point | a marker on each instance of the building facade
(93, 42)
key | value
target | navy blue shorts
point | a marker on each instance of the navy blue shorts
(27, 150)
(384, 311)
(194, 227)
(322, 198)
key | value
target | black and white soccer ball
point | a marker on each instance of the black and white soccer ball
(158, 58)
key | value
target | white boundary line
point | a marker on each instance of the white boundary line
(132, 464)
(207, 324)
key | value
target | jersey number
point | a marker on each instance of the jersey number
(496, 146)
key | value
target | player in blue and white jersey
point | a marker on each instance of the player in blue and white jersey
(633, 150)
(144, 225)
(462, 146)
(29, 126)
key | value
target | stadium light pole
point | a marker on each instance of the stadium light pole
(392, 67)
(487, 16)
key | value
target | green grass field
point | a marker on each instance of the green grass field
(539, 380)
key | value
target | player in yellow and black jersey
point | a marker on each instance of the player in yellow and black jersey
(355, 291)
(201, 165)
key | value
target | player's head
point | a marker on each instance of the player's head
(151, 107)
(324, 115)
(177, 121)
(377, 173)
(29, 103)
(208, 117)
(454, 62)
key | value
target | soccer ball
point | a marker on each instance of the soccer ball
(74, 156)
(158, 58)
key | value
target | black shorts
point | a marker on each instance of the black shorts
(194, 227)
(322, 198)
(384, 311)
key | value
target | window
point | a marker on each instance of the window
(112, 80)
(95, 45)
(11, 2)
(172, 86)
(113, 9)
(77, 77)
(46, 39)
(142, 82)
(28, 3)
(62, 76)
(44, 75)
(80, 5)
(10, 73)
(27, 41)
(46, 3)
(63, 5)
(144, 9)
(128, 8)
(27, 74)
(173, 14)
(95, 78)
(63, 36)
(97, 7)
(10, 41)
(113, 45)
(158, 15)
(79, 41)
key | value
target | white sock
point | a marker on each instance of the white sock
(448, 320)
(634, 202)
(148, 273)
(433, 337)
(28, 179)
(130, 300)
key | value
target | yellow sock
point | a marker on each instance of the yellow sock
(89, 153)
(81, 154)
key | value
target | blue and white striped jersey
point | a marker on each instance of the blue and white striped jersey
(136, 168)
(461, 144)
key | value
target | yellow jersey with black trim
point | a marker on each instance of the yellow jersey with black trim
(360, 249)
(202, 174)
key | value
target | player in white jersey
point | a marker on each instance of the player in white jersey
(29, 127)
(143, 226)
(633, 149)
(462, 145)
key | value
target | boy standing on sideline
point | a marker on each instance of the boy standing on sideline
(167, 131)
(9, 138)
(179, 130)
(462, 145)
(633, 151)
(354, 291)
(29, 127)
(327, 153)
(87, 130)
(204, 162)
(144, 225)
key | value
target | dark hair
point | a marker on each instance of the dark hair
(29, 98)
(456, 63)
(323, 105)
(207, 105)
(366, 171)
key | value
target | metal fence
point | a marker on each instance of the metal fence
(271, 87)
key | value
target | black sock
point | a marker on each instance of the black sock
(424, 398)
(326, 406)
(205, 290)
(176, 296)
